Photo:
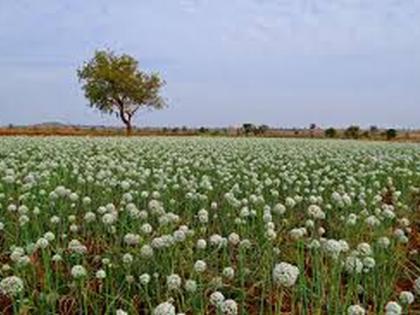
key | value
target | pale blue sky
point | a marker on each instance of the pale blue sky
(279, 62)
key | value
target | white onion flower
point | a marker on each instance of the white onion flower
(217, 298)
(144, 278)
(356, 310)
(173, 282)
(165, 308)
(200, 266)
(11, 286)
(229, 307)
(78, 271)
(190, 286)
(100, 274)
(393, 308)
(285, 274)
(406, 297)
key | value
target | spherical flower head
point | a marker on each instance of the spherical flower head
(279, 209)
(356, 310)
(42, 243)
(86, 201)
(229, 307)
(344, 246)
(372, 221)
(108, 218)
(90, 216)
(132, 239)
(11, 286)
(146, 228)
(144, 278)
(285, 274)
(406, 297)
(353, 265)
(55, 219)
(290, 202)
(201, 244)
(217, 298)
(173, 282)
(127, 259)
(234, 239)
(165, 308)
(364, 249)
(200, 266)
(270, 234)
(267, 217)
(23, 219)
(384, 242)
(24, 261)
(23, 209)
(100, 274)
(203, 216)
(76, 246)
(393, 308)
(229, 273)
(74, 228)
(332, 248)
(314, 244)
(146, 251)
(216, 240)
(297, 233)
(316, 212)
(78, 272)
(369, 263)
(125, 185)
(49, 236)
(245, 243)
(191, 286)
(179, 236)
(121, 312)
(310, 224)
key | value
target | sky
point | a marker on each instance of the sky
(278, 62)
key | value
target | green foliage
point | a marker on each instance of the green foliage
(203, 130)
(248, 128)
(373, 130)
(391, 134)
(352, 132)
(262, 129)
(331, 132)
(115, 85)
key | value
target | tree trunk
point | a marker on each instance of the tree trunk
(126, 119)
(128, 128)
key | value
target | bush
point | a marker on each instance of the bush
(331, 132)
(391, 134)
(352, 132)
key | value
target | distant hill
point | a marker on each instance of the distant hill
(50, 124)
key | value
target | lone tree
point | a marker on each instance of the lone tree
(352, 132)
(248, 128)
(312, 128)
(114, 84)
(330, 132)
(391, 134)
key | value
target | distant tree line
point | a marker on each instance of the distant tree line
(355, 132)
(245, 130)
